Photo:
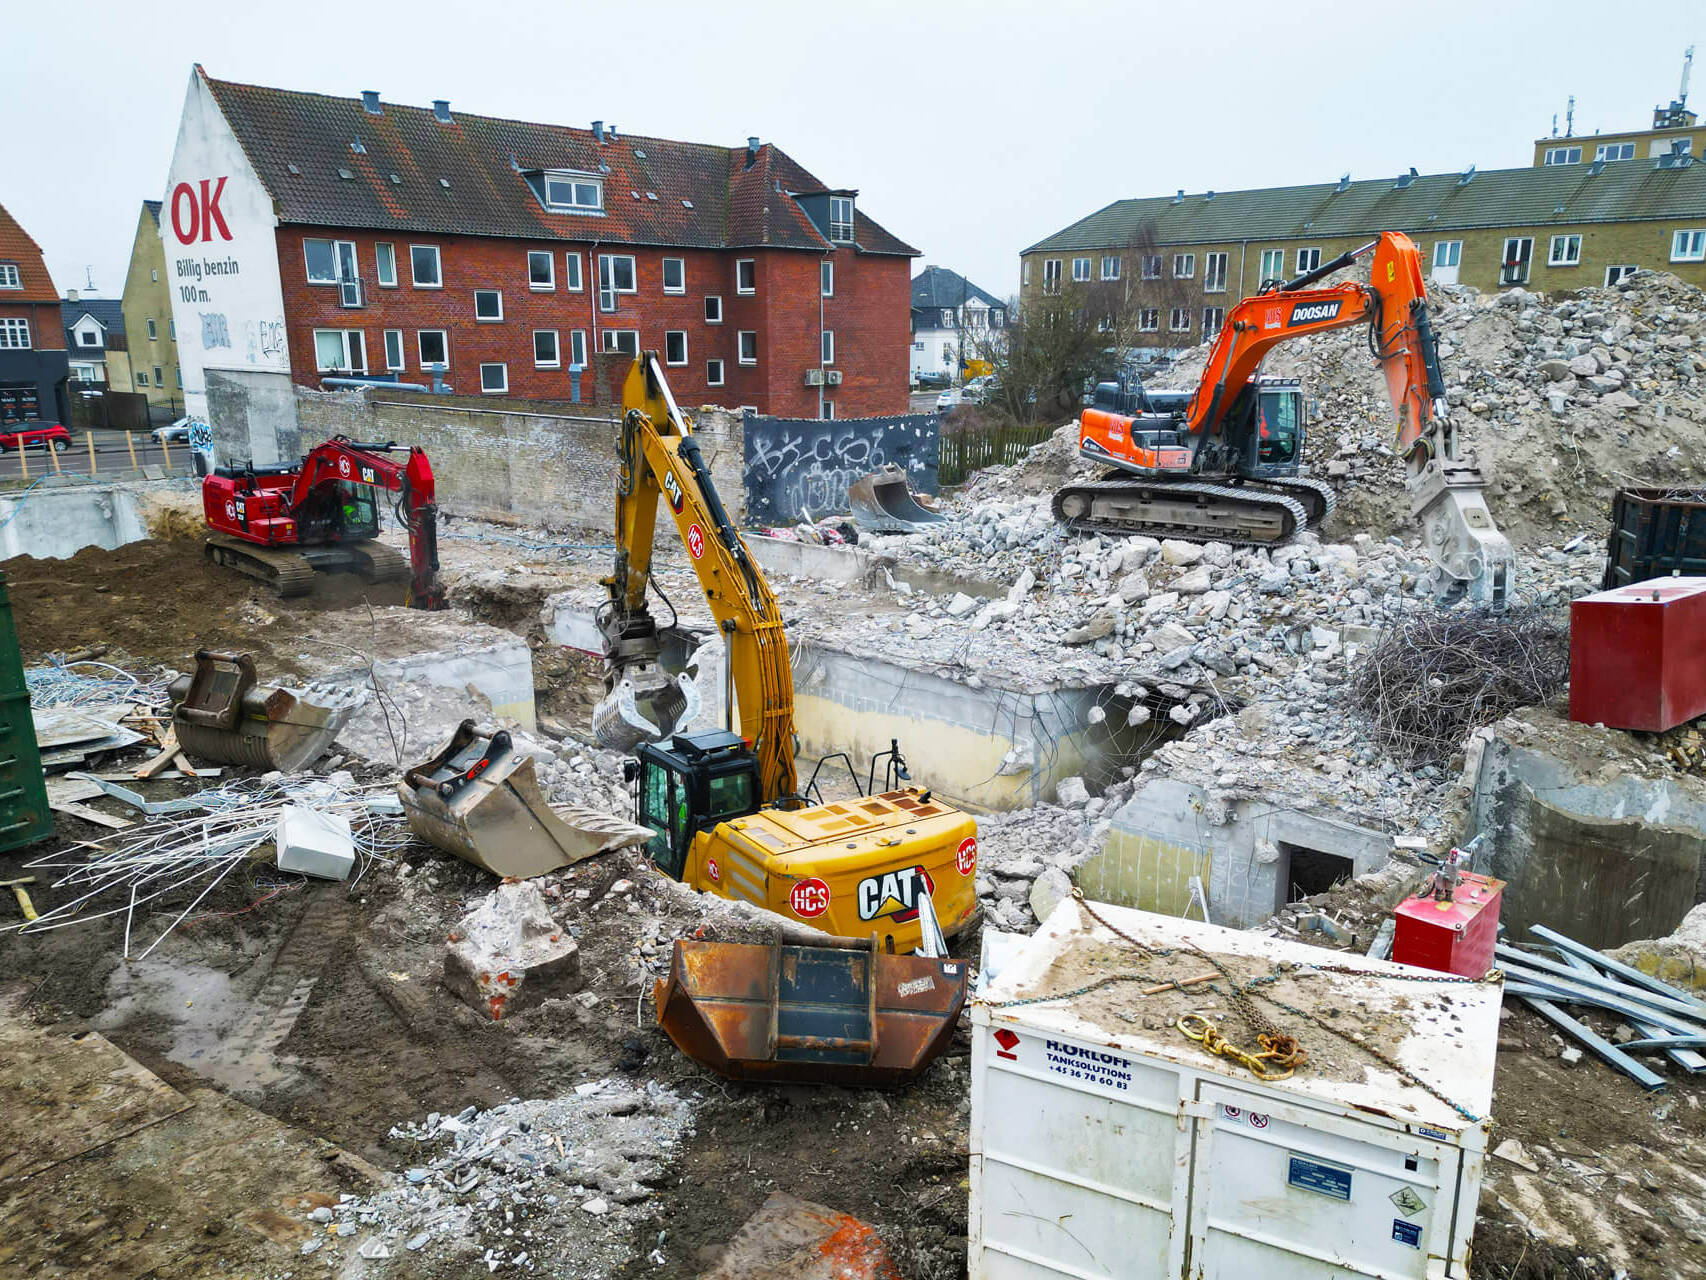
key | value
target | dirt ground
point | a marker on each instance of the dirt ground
(323, 1011)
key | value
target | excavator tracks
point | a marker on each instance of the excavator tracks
(286, 572)
(382, 563)
(1242, 515)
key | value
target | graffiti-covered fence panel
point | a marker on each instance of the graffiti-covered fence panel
(796, 466)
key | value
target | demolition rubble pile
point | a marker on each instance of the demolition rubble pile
(549, 1187)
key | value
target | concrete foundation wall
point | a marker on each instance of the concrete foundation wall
(53, 523)
(253, 417)
(496, 457)
(852, 564)
(1172, 830)
(502, 672)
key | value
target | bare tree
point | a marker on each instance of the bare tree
(1056, 347)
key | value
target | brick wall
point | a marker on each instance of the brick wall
(539, 462)
(47, 327)
(871, 304)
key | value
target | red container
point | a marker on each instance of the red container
(1455, 936)
(1638, 655)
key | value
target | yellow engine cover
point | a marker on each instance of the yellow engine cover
(850, 868)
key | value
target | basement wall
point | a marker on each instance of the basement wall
(53, 523)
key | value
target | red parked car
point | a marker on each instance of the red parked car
(14, 434)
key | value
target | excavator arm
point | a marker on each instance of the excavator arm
(1445, 490)
(659, 459)
(354, 462)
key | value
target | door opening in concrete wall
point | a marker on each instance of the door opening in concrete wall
(1311, 871)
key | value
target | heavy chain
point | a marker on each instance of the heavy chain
(1269, 1064)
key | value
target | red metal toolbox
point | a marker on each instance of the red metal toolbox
(1638, 655)
(1455, 936)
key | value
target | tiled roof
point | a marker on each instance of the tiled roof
(153, 207)
(415, 173)
(16, 246)
(1561, 195)
(939, 287)
(109, 311)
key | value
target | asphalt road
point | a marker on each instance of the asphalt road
(111, 454)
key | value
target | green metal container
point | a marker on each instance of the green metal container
(24, 815)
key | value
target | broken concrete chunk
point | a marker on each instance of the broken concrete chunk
(508, 953)
(791, 1239)
(1194, 582)
(961, 605)
(1071, 792)
(1173, 551)
(1048, 891)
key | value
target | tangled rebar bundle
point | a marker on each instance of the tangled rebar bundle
(1435, 676)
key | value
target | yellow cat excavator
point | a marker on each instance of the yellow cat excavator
(724, 807)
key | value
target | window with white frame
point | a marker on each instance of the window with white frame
(153, 331)
(1564, 251)
(826, 346)
(746, 275)
(1688, 246)
(1110, 267)
(1051, 275)
(841, 219)
(572, 273)
(385, 265)
(675, 346)
(577, 347)
(89, 337)
(947, 317)
(1104, 324)
(826, 278)
(1273, 265)
(1179, 321)
(1562, 155)
(713, 309)
(1151, 266)
(424, 267)
(10, 279)
(329, 261)
(541, 270)
(1184, 266)
(1518, 255)
(714, 373)
(488, 305)
(340, 351)
(570, 192)
(1149, 320)
(14, 334)
(627, 341)
(1614, 274)
(1080, 270)
(1212, 319)
(394, 350)
(1025, 272)
(1214, 273)
(159, 377)
(1614, 151)
(547, 351)
(615, 277)
(494, 378)
(432, 346)
(747, 347)
(86, 373)
(675, 275)
(829, 410)
(1308, 260)
(172, 330)
(1447, 253)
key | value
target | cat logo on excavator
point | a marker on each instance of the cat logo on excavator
(894, 893)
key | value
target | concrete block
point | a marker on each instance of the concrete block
(312, 843)
(508, 953)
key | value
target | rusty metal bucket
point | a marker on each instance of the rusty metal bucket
(223, 714)
(883, 502)
(843, 1012)
(479, 799)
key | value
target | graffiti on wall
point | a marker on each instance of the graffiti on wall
(795, 466)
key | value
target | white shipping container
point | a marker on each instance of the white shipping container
(1105, 1144)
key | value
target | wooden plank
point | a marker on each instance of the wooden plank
(168, 752)
(95, 816)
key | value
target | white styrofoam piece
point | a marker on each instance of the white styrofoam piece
(312, 843)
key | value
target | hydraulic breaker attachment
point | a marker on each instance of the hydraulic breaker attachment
(1469, 553)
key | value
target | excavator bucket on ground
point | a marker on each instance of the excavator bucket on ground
(842, 1012)
(478, 798)
(222, 713)
(883, 502)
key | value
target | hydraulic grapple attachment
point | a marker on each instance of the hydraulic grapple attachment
(643, 701)
(221, 713)
(478, 798)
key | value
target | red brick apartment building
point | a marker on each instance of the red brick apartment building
(316, 235)
(33, 360)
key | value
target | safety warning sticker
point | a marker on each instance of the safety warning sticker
(1408, 1202)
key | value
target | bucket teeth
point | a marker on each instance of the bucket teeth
(644, 707)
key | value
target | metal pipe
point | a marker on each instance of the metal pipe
(1642, 1075)
(1550, 989)
(1602, 961)
(1569, 977)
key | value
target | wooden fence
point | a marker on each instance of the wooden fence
(964, 452)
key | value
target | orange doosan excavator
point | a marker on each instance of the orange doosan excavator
(1220, 461)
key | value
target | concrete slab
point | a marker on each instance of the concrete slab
(57, 522)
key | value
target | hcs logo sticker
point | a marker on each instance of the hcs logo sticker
(894, 894)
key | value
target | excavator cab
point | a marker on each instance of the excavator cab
(1280, 418)
(689, 784)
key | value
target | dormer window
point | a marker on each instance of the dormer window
(841, 219)
(573, 193)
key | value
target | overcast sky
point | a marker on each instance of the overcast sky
(970, 129)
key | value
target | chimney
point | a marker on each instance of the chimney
(441, 110)
(71, 295)
(751, 151)
(1344, 182)
(1179, 198)
(598, 130)
(370, 102)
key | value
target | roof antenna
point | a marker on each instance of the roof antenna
(88, 280)
(1570, 118)
(1554, 124)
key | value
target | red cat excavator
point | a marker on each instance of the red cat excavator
(1208, 463)
(284, 523)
